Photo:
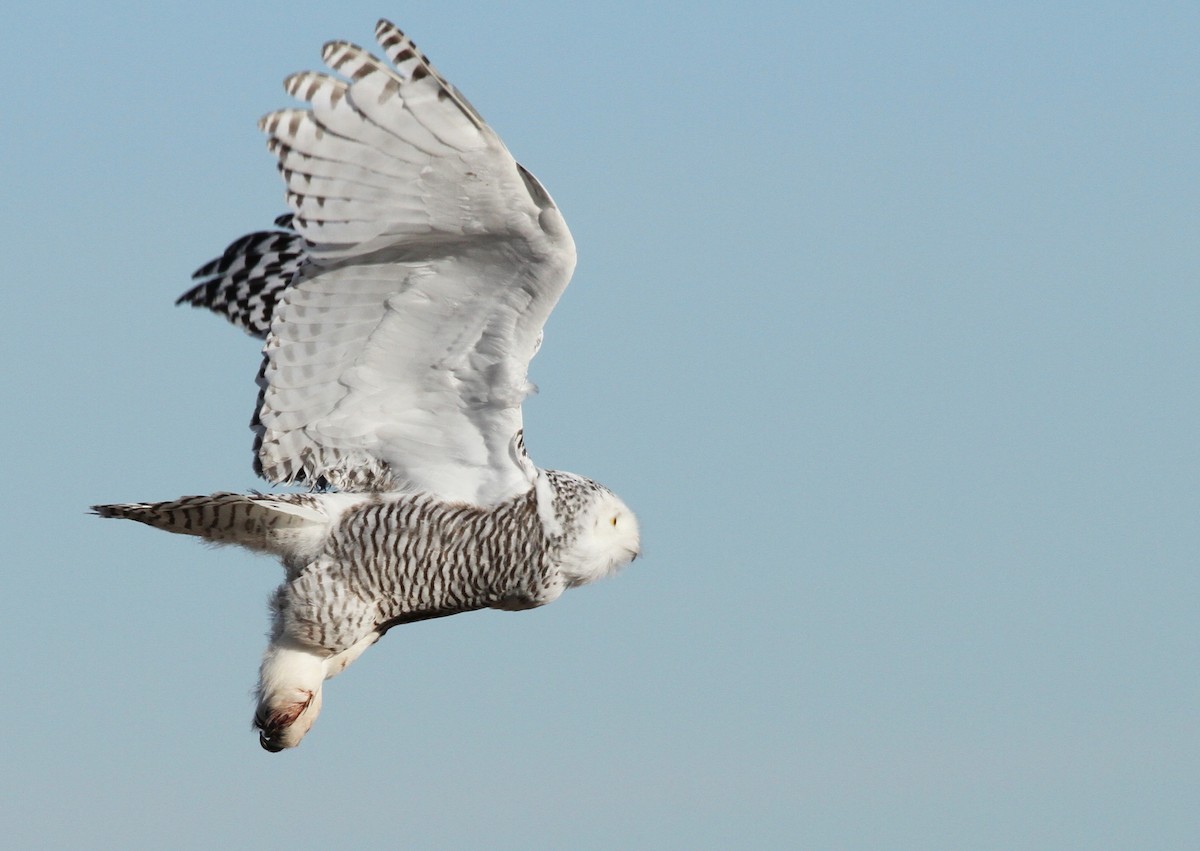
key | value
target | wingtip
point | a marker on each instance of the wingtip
(384, 26)
(393, 40)
(329, 47)
(292, 83)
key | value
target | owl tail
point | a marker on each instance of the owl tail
(284, 524)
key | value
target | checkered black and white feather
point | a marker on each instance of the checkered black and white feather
(245, 283)
(400, 302)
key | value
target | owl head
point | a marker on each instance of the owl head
(600, 533)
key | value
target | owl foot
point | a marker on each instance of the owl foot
(284, 725)
(289, 695)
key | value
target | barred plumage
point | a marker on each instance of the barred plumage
(395, 560)
(400, 309)
(245, 283)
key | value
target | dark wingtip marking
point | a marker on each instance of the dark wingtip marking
(388, 33)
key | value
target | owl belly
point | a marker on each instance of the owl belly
(404, 559)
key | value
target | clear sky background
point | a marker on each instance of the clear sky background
(885, 322)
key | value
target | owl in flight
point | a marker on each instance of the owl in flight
(401, 303)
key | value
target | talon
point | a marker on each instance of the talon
(279, 728)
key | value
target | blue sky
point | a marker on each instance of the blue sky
(884, 323)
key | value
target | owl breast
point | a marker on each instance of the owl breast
(394, 560)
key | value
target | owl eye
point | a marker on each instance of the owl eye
(613, 521)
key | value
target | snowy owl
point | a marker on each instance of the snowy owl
(400, 302)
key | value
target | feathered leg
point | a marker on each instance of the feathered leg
(289, 693)
(291, 677)
(339, 662)
(289, 689)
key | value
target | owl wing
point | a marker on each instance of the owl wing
(245, 283)
(397, 356)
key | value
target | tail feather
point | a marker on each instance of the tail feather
(284, 524)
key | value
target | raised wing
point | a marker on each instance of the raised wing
(397, 358)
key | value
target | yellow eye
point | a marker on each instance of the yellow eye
(614, 520)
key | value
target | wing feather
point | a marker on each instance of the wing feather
(332, 108)
(304, 162)
(301, 183)
(372, 95)
(245, 283)
(397, 358)
(300, 130)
